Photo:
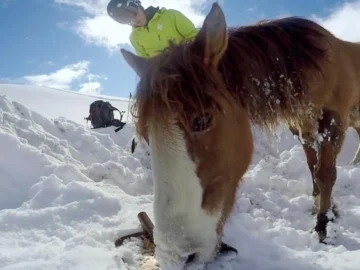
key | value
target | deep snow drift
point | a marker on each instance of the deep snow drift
(67, 192)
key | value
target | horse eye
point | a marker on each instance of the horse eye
(201, 123)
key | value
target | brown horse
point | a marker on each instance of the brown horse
(196, 101)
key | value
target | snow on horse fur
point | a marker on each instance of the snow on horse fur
(196, 101)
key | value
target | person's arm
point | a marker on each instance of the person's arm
(140, 51)
(183, 25)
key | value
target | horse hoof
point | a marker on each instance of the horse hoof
(321, 224)
(322, 236)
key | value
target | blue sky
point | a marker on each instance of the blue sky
(74, 45)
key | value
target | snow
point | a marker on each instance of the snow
(68, 192)
(72, 105)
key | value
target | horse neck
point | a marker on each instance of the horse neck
(268, 98)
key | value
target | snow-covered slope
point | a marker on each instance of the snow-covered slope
(59, 103)
(67, 192)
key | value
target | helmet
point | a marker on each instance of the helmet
(123, 11)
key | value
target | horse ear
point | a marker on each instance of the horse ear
(211, 40)
(137, 63)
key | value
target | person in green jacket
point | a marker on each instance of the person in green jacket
(152, 28)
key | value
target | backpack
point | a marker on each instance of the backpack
(101, 115)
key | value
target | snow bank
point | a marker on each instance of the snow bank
(54, 103)
(67, 192)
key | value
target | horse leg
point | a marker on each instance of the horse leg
(356, 158)
(308, 143)
(332, 129)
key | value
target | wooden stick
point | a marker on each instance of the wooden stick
(147, 225)
(225, 247)
(120, 240)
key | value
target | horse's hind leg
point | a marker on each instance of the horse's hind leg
(308, 143)
(332, 129)
(356, 158)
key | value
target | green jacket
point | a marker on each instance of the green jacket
(165, 25)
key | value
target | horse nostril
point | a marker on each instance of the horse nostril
(190, 258)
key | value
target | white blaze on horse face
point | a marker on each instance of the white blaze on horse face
(182, 226)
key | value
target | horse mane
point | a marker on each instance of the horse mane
(265, 67)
